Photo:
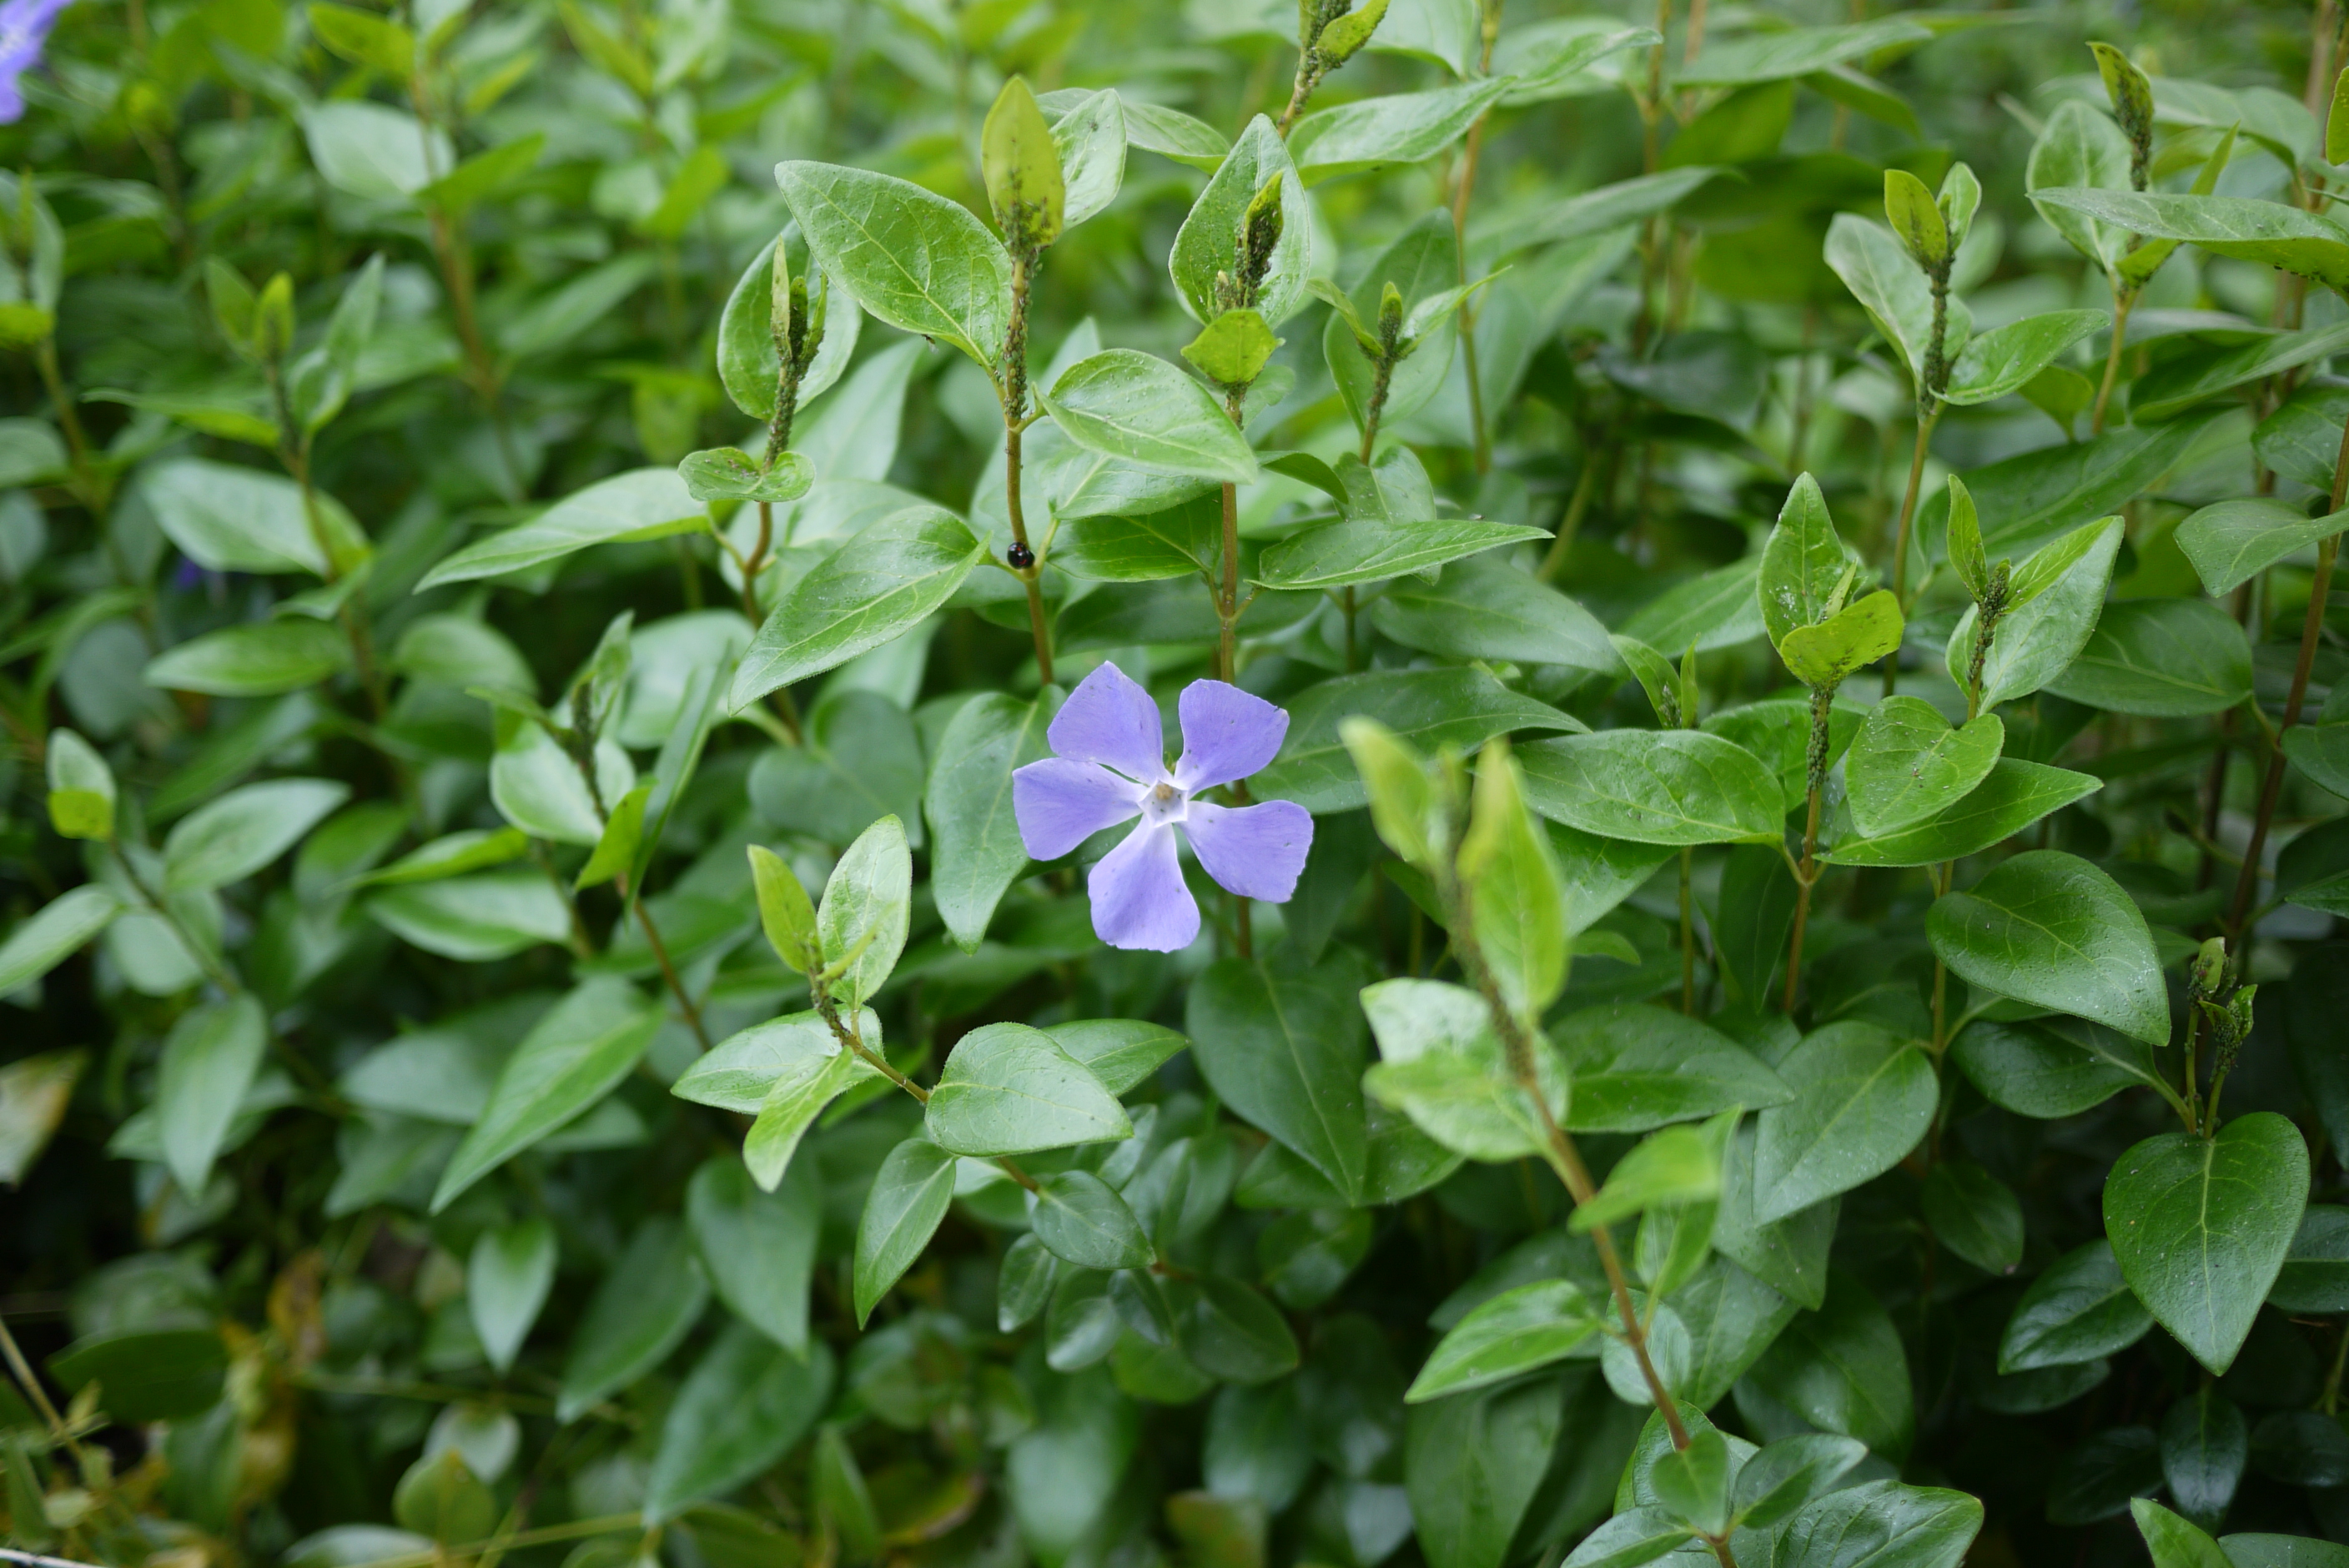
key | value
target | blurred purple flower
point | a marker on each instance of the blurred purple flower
(1112, 765)
(24, 29)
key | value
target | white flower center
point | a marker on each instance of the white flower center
(1165, 804)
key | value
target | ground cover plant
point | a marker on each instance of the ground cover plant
(1441, 782)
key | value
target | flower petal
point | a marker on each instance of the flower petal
(1110, 720)
(1227, 734)
(1255, 852)
(1060, 804)
(1139, 899)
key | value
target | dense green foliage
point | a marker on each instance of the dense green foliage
(1792, 551)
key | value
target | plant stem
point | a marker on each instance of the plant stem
(2123, 301)
(2312, 631)
(1227, 612)
(1014, 384)
(1561, 545)
(669, 970)
(1925, 423)
(214, 967)
(1807, 874)
(1480, 441)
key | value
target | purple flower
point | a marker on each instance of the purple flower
(1112, 765)
(23, 30)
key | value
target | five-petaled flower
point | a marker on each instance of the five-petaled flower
(1112, 765)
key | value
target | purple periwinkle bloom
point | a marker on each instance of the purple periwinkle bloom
(23, 30)
(1112, 765)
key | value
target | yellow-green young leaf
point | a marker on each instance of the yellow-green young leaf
(273, 317)
(1405, 806)
(2336, 122)
(1023, 166)
(1674, 1165)
(2132, 95)
(81, 789)
(1519, 907)
(611, 53)
(364, 39)
(784, 912)
(1342, 37)
(1858, 635)
(623, 831)
(1231, 349)
(1916, 217)
(866, 907)
(1966, 554)
(1960, 195)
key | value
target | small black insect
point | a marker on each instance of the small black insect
(1019, 556)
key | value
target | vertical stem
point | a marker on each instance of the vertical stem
(1806, 876)
(1228, 603)
(1480, 441)
(2123, 301)
(1925, 423)
(1014, 383)
(1562, 544)
(2312, 631)
(669, 970)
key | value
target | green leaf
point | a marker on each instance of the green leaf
(741, 1409)
(475, 919)
(1802, 564)
(796, 1098)
(2315, 1272)
(759, 1247)
(1121, 1053)
(1640, 1535)
(1207, 242)
(726, 473)
(143, 1374)
(262, 658)
(1138, 408)
(1636, 1067)
(2050, 928)
(2079, 1310)
(642, 1311)
(2055, 600)
(1175, 541)
(1512, 1333)
(1441, 1065)
(859, 759)
(976, 849)
(642, 503)
(1862, 1100)
(208, 1063)
(2031, 498)
(2163, 658)
(60, 927)
(1909, 206)
(1092, 138)
(2235, 540)
(1882, 1524)
(747, 362)
(1403, 127)
(1285, 1052)
(1422, 264)
(867, 910)
(1488, 609)
(81, 789)
(1336, 553)
(232, 518)
(1081, 1222)
(1891, 287)
(1793, 52)
(2201, 1226)
(1229, 1332)
(373, 151)
(451, 854)
(1674, 1167)
(1428, 709)
(571, 1058)
(229, 838)
(1669, 787)
(871, 591)
(1975, 1215)
(1907, 765)
(2267, 232)
(537, 786)
(1022, 168)
(1515, 895)
(2205, 1444)
(1231, 350)
(2173, 1543)
(439, 1497)
(2171, 388)
(2053, 1070)
(1008, 1090)
(913, 259)
(2000, 361)
(1842, 1370)
(907, 1199)
(1859, 633)
(507, 1279)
